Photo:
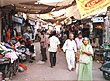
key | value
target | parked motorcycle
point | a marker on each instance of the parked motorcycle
(105, 68)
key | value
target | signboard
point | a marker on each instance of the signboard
(97, 19)
(17, 19)
(91, 7)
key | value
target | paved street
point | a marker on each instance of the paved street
(59, 72)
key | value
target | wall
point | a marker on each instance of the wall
(0, 26)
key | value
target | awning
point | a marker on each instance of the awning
(33, 8)
(54, 20)
(8, 2)
(62, 3)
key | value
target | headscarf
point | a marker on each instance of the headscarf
(85, 38)
(83, 46)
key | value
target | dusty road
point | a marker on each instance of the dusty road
(43, 72)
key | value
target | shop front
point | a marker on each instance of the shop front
(7, 27)
(98, 29)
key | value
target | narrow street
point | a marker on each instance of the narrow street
(59, 72)
(80, 27)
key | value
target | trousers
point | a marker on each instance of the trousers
(70, 57)
(53, 58)
(43, 53)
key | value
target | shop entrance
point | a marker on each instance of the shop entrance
(98, 32)
(86, 32)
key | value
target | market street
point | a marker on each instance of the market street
(53, 40)
(59, 72)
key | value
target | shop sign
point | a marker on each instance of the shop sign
(17, 19)
(91, 7)
(97, 19)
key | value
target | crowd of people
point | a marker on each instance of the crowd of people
(77, 48)
(71, 41)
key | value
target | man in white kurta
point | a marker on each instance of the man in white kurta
(70, 49)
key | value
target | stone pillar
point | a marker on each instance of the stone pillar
(106, 24)
(108, 29)
(91, 30)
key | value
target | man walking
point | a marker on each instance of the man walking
(78, 41)
(43, 44)
(70, 49)
(54, 44)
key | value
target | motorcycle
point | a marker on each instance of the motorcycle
(105, 67)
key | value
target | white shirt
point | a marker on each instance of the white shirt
(70, 45)
(54, 42)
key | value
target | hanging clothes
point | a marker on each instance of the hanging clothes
(8, 35)
(12, 56)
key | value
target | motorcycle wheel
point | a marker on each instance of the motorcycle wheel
(106, 75)
(7, 72)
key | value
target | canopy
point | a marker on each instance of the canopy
(49, 10)
(8, 2)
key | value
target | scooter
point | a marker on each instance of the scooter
(105, 68)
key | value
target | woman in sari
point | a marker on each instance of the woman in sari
(85, 68)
